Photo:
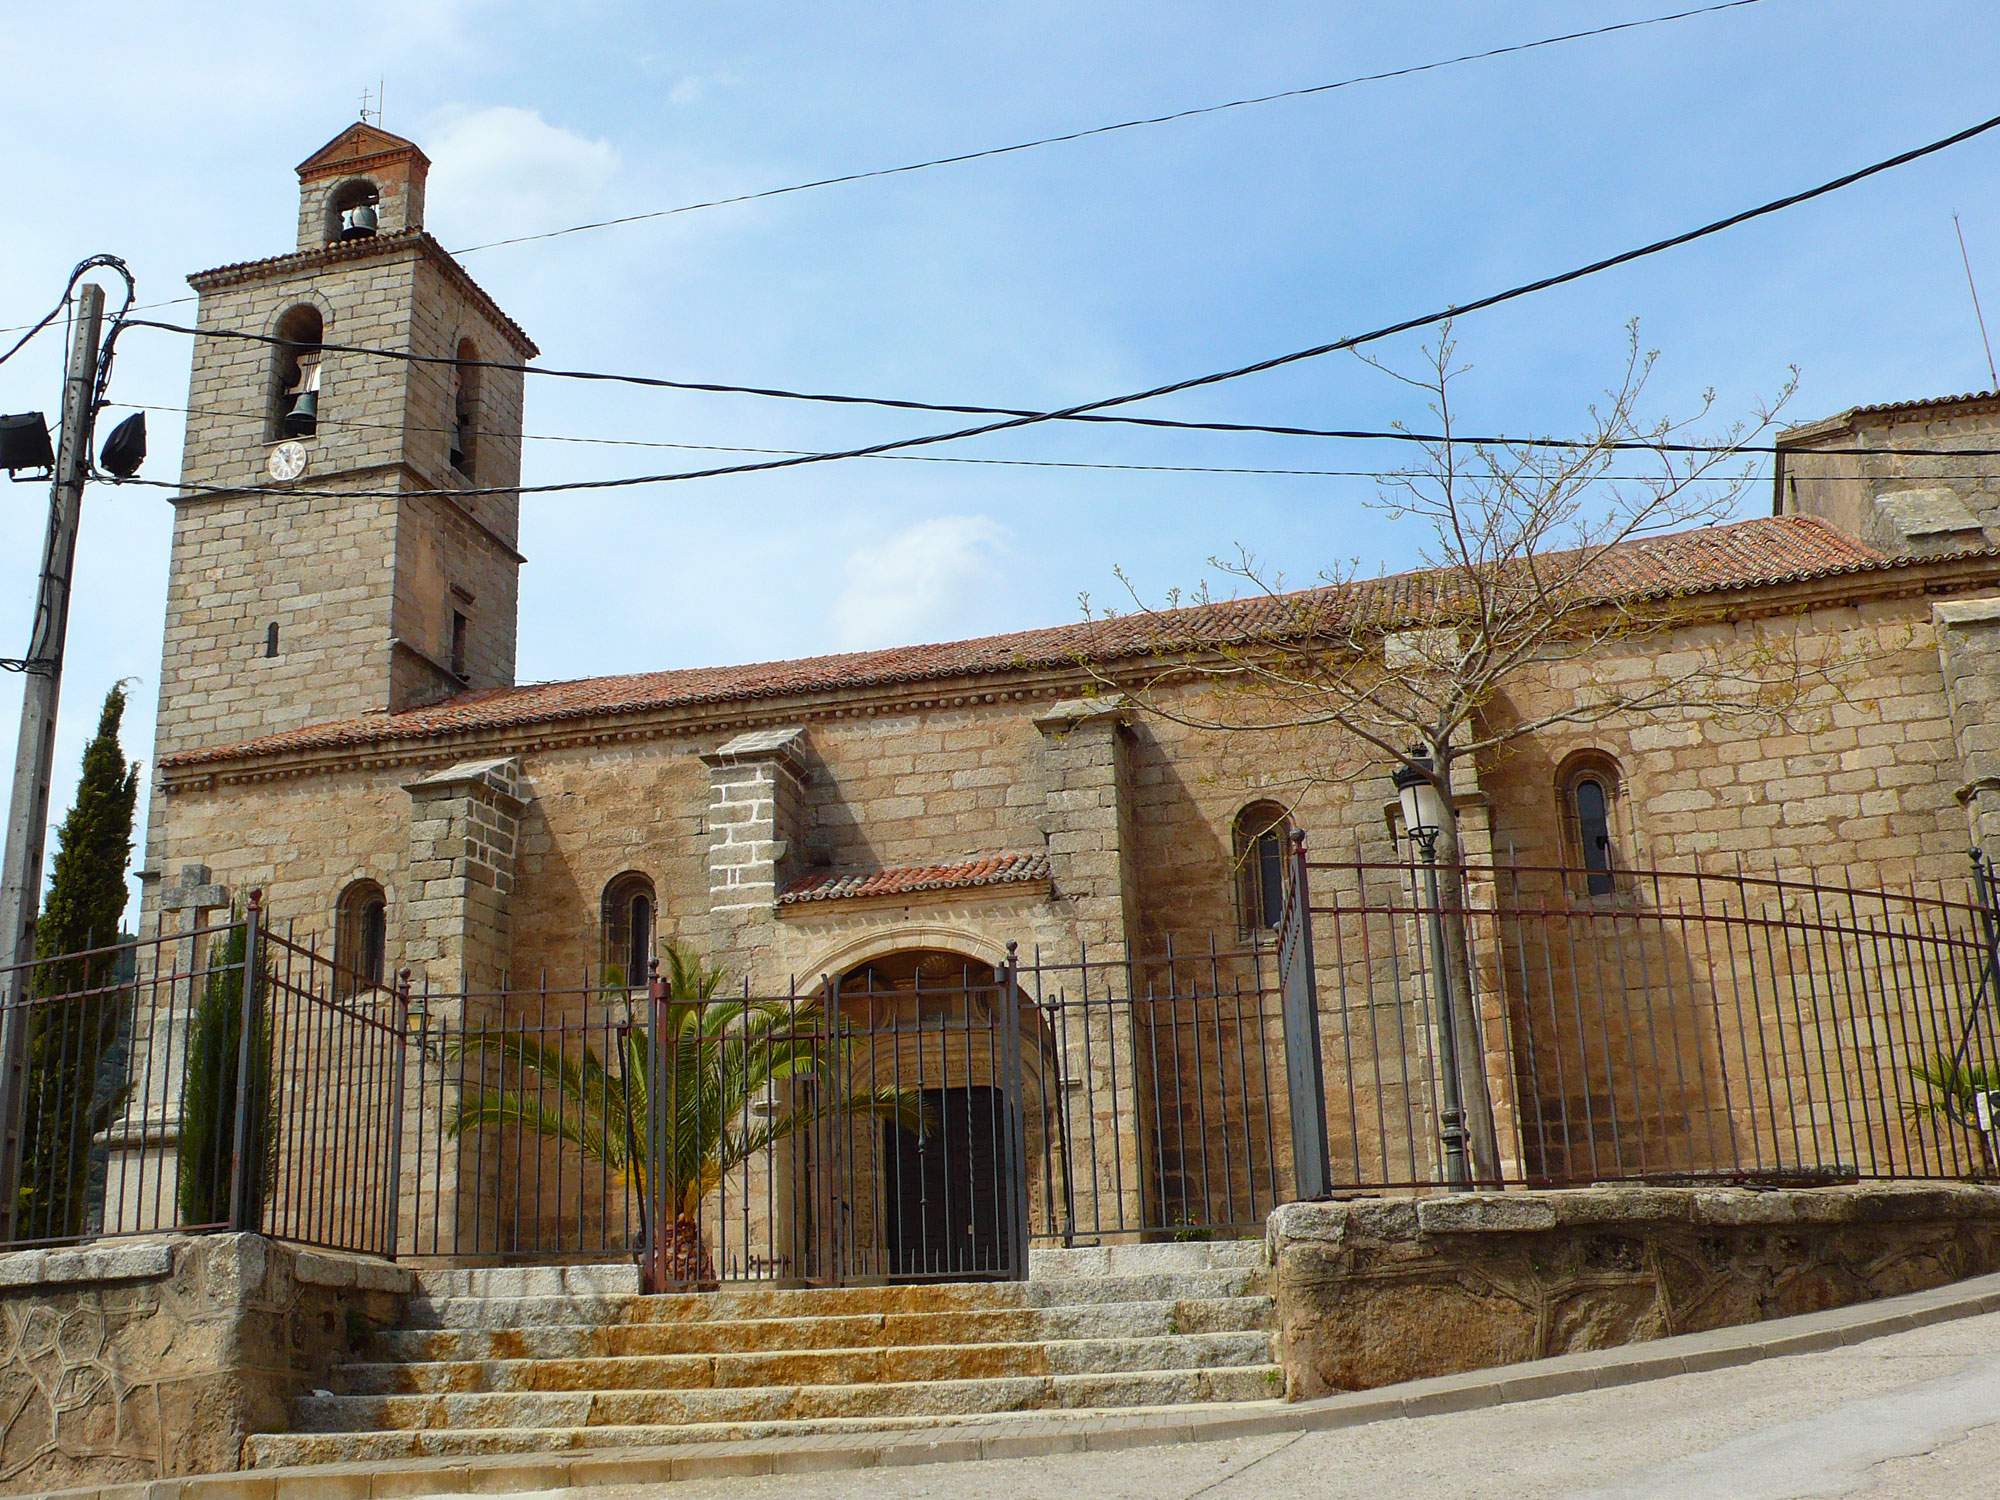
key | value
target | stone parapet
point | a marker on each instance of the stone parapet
(1375, 1291)
(158, 1358)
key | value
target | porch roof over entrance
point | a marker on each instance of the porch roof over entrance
(909, 880)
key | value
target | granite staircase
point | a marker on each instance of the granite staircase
(562, 1359)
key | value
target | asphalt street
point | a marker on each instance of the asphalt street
(1909, 1415)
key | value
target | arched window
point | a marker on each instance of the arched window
(464, 407)
(295, 374)
(352, 210)
(360, 938)
(628, 929)
(1589, 788)
(1262, 832)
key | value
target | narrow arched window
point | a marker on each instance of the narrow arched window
(1261, 833)
(464, 437)
(295, 374)
(1588, 789)
(629, 913)
(360, 938)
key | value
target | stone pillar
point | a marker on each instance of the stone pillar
(464, 832)
(1087, 817)
(142, 1166)
(756, 816)
(465, 825)
(1968, 632)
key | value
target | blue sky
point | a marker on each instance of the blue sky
(1038, 279)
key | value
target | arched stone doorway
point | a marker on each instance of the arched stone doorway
(938, 1200)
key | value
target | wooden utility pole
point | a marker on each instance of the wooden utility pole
(34, 759)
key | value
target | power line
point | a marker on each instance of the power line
(1097, 130)
(1053, 140)
(1278, 361)
(703, 387)
(1758, 477)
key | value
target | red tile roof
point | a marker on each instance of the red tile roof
(374, 246)
(904, 880)
(1769, 550)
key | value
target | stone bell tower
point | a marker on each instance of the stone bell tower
(335, 550)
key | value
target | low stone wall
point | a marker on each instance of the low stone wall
(1374, 1291)
(151, 1359)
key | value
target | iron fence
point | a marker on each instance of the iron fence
(203, 1080)
(104, 1138)
(1686, 1025)
(1508, 1024)
(855, 1130)
(1161, 1103)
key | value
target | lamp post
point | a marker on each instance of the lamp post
(1424, 814)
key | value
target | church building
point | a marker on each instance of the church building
(340, 725)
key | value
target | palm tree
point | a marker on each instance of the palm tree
(1953, 1088)
(718, 1058)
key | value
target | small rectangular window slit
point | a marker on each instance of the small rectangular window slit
(271, 639)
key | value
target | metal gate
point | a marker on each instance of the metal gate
(850, 1133)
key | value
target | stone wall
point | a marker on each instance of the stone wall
(153, 1359)
(1899, 502)
(1375, 1291)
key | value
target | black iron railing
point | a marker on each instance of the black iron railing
(936, 1121)
(1689, 1025)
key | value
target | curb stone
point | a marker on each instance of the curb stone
(1040, 1434)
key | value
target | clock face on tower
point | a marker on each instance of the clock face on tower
(287, 461)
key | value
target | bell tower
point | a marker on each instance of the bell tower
(345, 537)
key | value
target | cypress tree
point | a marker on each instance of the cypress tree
(208, 1100)
(78, 1005)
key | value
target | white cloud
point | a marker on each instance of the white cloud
(503, 170)
(692, 88)
(919, 583)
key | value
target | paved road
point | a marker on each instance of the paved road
(1912, 1415)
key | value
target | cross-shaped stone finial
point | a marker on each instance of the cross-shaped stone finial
(194, 891)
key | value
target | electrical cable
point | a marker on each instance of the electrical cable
(1052, 140)
(1272, 362)
(1760, 477)
(1097, 130)
(1390, 435)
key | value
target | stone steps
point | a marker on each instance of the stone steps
(814, 1367)
(672, 1408)
(1088, 1320)
(280, 1450)
(563, 1309)
(559, 1359)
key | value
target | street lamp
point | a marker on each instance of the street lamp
(1424, 813)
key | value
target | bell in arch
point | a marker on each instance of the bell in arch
(302, 417)
(358, 222)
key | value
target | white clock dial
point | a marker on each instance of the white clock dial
(288, 461)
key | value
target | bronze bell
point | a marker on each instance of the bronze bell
(303, 419)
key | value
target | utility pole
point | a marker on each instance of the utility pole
(34, 759)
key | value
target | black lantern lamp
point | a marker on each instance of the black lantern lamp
(1424, 813)
(1423, 804)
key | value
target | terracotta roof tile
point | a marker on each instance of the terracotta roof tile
(904, 880)
(371, 247)
(1769, 550)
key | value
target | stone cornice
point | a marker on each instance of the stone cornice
(1918, 578)
(402, 244)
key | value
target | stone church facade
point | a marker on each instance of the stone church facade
(340, 726)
